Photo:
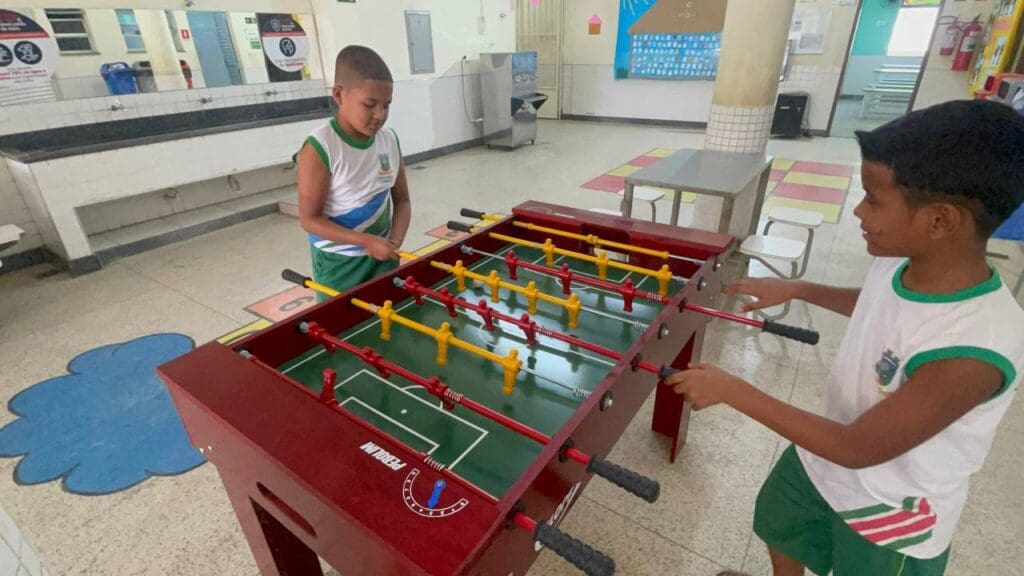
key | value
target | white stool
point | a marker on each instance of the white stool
(806, 219)
(649, 195)
(9, 236)
(762, 247)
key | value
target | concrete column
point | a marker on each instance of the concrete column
(753, 43)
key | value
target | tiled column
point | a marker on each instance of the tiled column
(17, 557)
(753, 43)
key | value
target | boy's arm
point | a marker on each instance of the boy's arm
(935, 396)
(773, 291)
(314, 182)
(403, 208)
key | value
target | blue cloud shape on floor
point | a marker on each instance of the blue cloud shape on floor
(107, 425)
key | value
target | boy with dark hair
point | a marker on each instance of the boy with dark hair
(353, 194)
(929, 364)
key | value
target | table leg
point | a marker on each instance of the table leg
(627, 200)
(726, 217)
(276, 550)
(762, 191)
(676, 195)
(671, 415)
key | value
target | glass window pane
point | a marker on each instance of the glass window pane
(68, 27)
(134, 43)
(911, 32)
(74, 44)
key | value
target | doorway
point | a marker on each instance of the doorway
(539, 28)
(885, 61)
(217, 56)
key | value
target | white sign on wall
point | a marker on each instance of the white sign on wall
(27, 53)
(284, 41)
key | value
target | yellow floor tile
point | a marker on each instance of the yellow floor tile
(624, 170)
(782, 164)
(244, 331)
(839, 182)
(829, 211)
(661, 152)
(431, 247)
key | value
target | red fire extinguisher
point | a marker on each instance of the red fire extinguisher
(949, 39)
(968, 42)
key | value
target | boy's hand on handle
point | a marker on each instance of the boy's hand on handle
(705, 385)
(768, 292)
(381, 248)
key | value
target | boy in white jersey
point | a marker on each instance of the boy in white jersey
(353, 195)
(930, 361)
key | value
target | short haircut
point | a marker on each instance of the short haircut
(967, 152)
(357, 63)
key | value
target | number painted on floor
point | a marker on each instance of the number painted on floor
(296, 303)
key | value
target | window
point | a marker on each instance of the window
(130, 30)
(913, 28)
(70, 31)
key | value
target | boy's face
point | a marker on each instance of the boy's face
(363, 107)
(890, 226)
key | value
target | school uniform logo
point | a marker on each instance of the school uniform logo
(885, 371)
(385, 175)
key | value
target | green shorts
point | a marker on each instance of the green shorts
(343, 272)
(792, 518)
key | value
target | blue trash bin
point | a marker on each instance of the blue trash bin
(120, 78)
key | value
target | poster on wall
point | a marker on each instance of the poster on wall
(28, 55)
(284, 41)
(997, 55)
(669, 39)
(809, 28)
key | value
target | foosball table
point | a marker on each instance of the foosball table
(442, 419)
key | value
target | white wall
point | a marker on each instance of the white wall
(428, 110)
(590, 89)
(939, 83)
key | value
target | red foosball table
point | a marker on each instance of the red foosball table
(442, 419)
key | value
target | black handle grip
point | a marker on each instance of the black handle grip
(459, 226)
(792, 332)
(628, 480)
(471, 213)
(294, 277)
(590, 561)
(665, 371)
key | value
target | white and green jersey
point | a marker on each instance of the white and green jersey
(362, 175)
(912, 503)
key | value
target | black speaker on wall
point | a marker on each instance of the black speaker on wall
(790, 114)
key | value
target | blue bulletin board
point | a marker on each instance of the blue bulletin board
(669, 39)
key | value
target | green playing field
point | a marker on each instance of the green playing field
(485, 453)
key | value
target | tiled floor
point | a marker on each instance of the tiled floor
(184, 524)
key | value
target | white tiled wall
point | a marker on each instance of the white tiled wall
(738, 128)
(66, 184)
(17, 557)
(14, 210)
(29, 117)
(427, 114)
(105, 216)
